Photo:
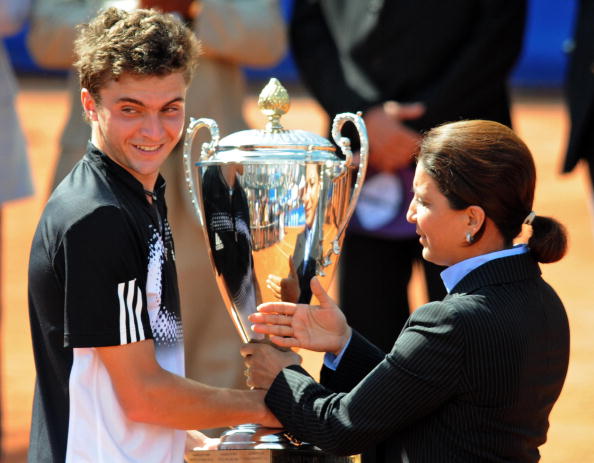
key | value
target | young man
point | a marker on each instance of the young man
(103, 294)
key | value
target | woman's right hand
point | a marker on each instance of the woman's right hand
(320, 328)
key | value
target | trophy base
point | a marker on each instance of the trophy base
(252, 443)
(252, 436)
(267, 456)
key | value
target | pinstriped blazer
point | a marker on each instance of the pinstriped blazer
(471, 378)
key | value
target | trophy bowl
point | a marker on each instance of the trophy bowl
(274, 205)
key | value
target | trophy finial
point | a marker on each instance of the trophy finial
(274, 102)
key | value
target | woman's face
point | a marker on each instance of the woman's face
(441, 229)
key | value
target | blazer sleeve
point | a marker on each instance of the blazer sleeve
(422, 371)
(360, 357)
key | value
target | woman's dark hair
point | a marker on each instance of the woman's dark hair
(485, 163)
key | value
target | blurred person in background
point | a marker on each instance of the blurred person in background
(579, 88)
(233, 34)
(15, 179)
(408, 66)
(51, 44)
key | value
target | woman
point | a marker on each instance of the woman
(470, 378)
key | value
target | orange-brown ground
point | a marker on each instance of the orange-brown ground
(541, 121)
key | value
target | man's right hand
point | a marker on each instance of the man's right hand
(392, 144)
(320, 328)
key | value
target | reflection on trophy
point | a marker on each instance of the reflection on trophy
(227, 218)
(308, 247)
(274, 205)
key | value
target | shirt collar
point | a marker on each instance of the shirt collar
(451, 276)
(95, 155)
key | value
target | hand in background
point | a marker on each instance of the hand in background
(167, 5)
(264, 362)
(320, 328)
(391, 143)
(285, 289)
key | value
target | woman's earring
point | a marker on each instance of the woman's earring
(469, 238)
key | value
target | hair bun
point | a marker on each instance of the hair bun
(548, 242)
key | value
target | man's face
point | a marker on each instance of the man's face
(138, 122)
(311, 193)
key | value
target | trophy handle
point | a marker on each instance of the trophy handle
(345, 146)
(208, 149)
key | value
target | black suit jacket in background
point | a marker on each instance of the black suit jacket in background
(580, 90)
(453, 56)
(471, 378)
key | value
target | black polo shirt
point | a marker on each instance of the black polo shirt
(101, 273)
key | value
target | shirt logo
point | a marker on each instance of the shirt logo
(130, 297)
(218, 243)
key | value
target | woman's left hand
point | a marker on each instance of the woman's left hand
(264, 362)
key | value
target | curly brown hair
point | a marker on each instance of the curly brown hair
(140, 42)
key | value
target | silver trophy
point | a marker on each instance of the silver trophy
(274, 205)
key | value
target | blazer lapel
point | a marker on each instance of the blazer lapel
(499, 271)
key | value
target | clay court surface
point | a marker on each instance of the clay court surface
(540, 120)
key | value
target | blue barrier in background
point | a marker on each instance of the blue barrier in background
(548, 30)
(542, 64)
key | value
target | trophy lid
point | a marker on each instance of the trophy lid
(273, 143)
